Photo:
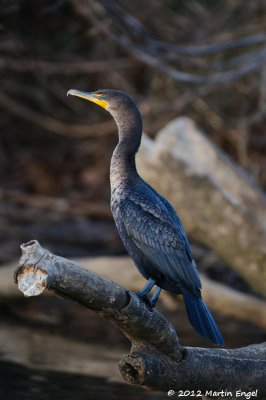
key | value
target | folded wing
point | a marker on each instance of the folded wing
(161, 239)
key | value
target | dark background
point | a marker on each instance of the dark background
(55, 151)
(50, 48)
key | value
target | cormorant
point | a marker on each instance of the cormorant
(149, 227)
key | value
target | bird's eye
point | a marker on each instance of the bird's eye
(100, 96)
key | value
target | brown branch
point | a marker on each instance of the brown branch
(141, 32)
(157, 360)
(66, 68)
(85, 9)
(52, 124)
(196, 50)
(150, 54)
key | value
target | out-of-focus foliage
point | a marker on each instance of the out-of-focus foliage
(51, 47)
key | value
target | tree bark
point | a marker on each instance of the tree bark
(219, 204)
(157, 360)
(217, 296)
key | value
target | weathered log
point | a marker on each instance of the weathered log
(143, 326)
(201, 369)
(157, 360)
(218, 202)
(217, 296)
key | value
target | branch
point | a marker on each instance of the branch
(40, 269)
(157, 360)
(201, 369)
(217, 297)
(153, 51)
(52, 124)
(66, 67)
(141, 32)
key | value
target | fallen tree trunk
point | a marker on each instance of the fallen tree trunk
(219, 204)
(157, 360)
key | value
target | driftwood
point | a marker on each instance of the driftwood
(157, 360)
(217, 296)
(218, 202)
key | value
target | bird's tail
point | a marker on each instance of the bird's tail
(201, 318)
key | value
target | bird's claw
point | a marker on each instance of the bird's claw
(146, 300)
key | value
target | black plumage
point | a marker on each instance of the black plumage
(149, 226)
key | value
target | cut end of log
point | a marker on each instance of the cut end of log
(31, 280)
(30, 247)
(32, 251)
(132, 369)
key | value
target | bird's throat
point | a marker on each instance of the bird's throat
(123, 167)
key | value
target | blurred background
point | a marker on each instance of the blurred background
(203, 59)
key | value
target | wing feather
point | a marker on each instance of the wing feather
(161, 239)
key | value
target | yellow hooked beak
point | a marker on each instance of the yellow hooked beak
(95, 98)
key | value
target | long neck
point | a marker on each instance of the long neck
(123, 160)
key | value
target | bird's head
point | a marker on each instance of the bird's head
(112, 100)
(121, 107)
